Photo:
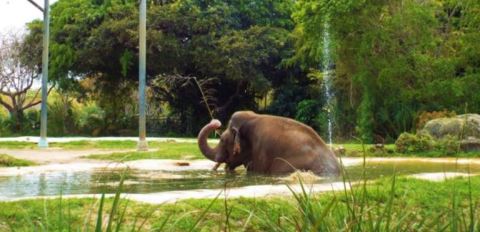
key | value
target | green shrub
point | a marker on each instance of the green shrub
(308, 113)
(5, 124)
(449, 145)
(423, 142)
(61, 119)
(407, 143)
(32, 122)
(90, 119)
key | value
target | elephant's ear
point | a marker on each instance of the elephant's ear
(236, 141)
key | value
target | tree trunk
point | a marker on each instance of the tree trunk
(18, 119)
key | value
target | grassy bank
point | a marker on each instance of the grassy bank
(189, 151)
(356, 150)
(387, 205)
(79, 145)
(184, 151)
(8, 161)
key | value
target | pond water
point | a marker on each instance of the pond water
(98, 180)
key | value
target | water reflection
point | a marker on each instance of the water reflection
(141, 181)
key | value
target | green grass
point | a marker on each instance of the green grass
(190, 151)
(77, 145)
(85, 144)
(159, 150)
(9, 161)
(355, 150)
(186, 151)
(17, 145)
(401, 204)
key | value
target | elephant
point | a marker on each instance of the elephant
(268, 144)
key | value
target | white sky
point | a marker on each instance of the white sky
(14, 14)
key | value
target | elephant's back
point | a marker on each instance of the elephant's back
(291, 141)
(289, 129)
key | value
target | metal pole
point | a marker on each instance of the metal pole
(142, 142)
(43, 120)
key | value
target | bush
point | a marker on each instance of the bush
(4, 126)
(407, 143)
(91, 119)
(448, 145)
(32, 122)
(308, 112)
(61, 118)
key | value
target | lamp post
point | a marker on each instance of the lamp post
(142, 30)
(46, 34)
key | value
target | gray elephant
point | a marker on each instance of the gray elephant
(268, 144)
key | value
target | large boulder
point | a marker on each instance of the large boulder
(459, 127)
(470, 145)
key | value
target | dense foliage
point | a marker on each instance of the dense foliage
(240, 44)
(394, 61)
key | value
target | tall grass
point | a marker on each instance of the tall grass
(356, 209)
(111, 216)
(108, 220)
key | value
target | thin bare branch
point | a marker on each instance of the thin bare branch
(4, 104)
(33, 99)
(36, 5)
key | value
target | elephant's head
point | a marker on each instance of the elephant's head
(227, 148)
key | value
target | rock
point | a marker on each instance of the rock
(461, 126)
(470, 144)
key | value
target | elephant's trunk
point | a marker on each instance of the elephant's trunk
(206, 150)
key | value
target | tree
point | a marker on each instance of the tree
(241, 44)
(18, 71)
(393, 59)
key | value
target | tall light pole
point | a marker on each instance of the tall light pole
(142, 30)
(46, 34)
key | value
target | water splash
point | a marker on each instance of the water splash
(328, 74)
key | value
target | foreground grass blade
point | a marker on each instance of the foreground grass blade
(98, 227)
(116, 201)
(122, 216)
(45, 213)
(387, 213)
(205, 211)
(164, 223)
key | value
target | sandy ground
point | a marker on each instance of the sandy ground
(35, 139)
(59, 155)
(440, 176)
(248, 191)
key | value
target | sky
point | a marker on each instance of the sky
(14, 14)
